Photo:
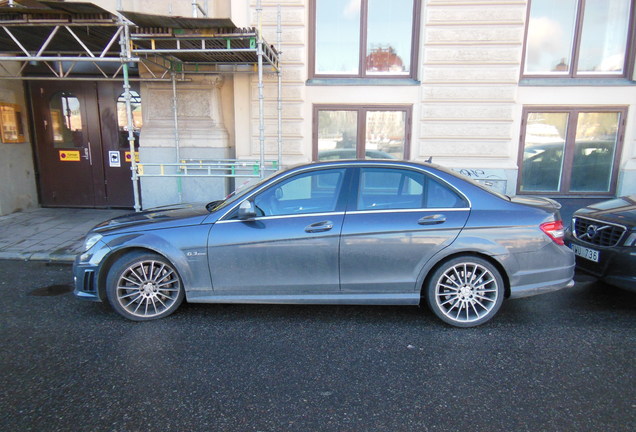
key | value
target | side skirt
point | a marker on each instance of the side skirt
(326, 299)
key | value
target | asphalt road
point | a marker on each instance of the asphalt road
(564, 361)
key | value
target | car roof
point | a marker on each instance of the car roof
(360, 162)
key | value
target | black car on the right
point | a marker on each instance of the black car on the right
(603, 238)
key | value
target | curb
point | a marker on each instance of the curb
(63, 258)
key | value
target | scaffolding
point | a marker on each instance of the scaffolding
(49, 39)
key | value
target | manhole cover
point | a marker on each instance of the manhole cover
(53, 290)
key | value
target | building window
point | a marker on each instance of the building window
(354, 132)
(573, 151)
(364, 38)
(574, 38)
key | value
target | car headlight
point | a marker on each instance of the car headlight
(90, 241)
(631, 240)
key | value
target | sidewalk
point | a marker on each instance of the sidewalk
(49, 234)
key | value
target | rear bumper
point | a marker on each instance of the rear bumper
(546, 270)
(530, 290)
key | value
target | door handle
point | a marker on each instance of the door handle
(319, 227)
(432, 219)
(87, 153)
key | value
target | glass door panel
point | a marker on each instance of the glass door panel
(604, 37)
(543, 152)
(594, 151)
(389, 35)
(338, 37)
(385, 134)
(337, 134)
(550, 37)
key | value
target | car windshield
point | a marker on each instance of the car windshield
(238, 193)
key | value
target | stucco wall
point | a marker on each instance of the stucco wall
(17, 177)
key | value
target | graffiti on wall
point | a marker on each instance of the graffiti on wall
(492, 178)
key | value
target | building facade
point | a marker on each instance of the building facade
(528, 96)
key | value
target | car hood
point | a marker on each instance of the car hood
(621, 210)
(155, 218)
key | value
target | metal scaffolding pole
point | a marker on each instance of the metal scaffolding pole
(279, 74)
(126, 58)
(261, 102)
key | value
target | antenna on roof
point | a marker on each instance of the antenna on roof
(429, 160)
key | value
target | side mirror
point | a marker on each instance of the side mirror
(246, 210)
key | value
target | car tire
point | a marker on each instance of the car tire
(465, 291)
(143, 286)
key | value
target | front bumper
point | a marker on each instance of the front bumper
(86, 272)
(85, 281)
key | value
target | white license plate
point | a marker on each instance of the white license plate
(587, 253)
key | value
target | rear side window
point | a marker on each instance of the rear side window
(391, 188)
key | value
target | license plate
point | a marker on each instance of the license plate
(587, 253)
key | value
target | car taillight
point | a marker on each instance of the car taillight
(554, 230)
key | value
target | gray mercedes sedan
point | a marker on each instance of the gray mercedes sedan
(339, 232)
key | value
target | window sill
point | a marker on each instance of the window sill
(573, 82)
(362, 82)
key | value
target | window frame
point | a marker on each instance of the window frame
(630, 43)
(362, 48)
(362, 125)
(568, 154)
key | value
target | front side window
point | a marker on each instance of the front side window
(570, 151)
(350, 132)
(364, 38)
(394, 189)
(573, 38)
(313, 192)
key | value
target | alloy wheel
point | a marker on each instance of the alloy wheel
(466, 292)
(148, 288)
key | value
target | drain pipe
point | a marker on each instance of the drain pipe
(279, 32)
(261, 102)
(177, 140)
(175, 114)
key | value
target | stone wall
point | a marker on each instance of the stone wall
(200, 134)
(17, 174)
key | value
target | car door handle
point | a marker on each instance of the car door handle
(319, 227)
(432, 219)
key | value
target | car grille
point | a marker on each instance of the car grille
(597, 233)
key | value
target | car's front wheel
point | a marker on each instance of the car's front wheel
(465, 291)
(143, 286)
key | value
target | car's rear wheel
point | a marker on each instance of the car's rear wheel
(143, 286)
(465, 291)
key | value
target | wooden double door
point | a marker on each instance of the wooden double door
(82, 149)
